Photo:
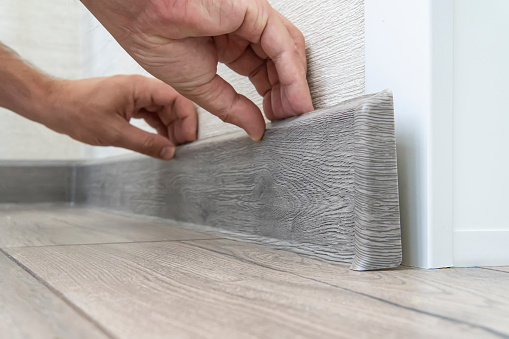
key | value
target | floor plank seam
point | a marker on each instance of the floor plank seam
(59, 295)
(110, 243)
(188, 259)
(493, 269)
(454, 320)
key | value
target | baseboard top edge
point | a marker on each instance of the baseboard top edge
(344, 106)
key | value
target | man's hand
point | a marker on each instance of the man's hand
(97, 112)
(181, 42)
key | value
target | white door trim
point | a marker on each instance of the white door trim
(409, 48)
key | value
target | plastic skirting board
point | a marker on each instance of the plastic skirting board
(323, 184)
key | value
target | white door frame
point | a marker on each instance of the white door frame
(409, 48)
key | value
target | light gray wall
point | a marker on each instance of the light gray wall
(48, 34)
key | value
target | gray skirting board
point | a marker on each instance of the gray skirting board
(323, 184)
(35, 181)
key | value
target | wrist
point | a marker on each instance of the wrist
(117, 16)
(37, 102)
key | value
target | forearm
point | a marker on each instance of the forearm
(23, 89)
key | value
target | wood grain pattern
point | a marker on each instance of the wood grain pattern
(28, 309)
(50, 224)
(31, 181)
(323, 184)
(471, 297)
(334, 32)
(185, 290)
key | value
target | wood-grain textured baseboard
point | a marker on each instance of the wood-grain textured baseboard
(324, 184)
(35, 181)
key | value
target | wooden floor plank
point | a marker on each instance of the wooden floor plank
(28, 309)
(50, 224)
(198, 289)
(498, 268)
(469, 295)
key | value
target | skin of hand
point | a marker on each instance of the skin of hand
(97, 111)
(182, 41)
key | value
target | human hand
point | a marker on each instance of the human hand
(182, 41)
(97, 111)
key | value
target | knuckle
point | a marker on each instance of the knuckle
(225, 116)
(148, 144)
(135, 77)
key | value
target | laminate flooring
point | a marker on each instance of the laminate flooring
(72, 272)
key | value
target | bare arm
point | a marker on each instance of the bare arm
(97, 111)
(22, 88)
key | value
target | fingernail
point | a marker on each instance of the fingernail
(167, 153)
(258, 136)
(254, 138)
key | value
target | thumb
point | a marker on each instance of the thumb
(219, 98)
(143, 142)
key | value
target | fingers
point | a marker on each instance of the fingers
(277, 40)
(185, 127)
(297, 37)
(219, 98)
(153, 120)
(280, 47)
(252, 66)
(143, 142)
(236, 53)
(164, 109)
